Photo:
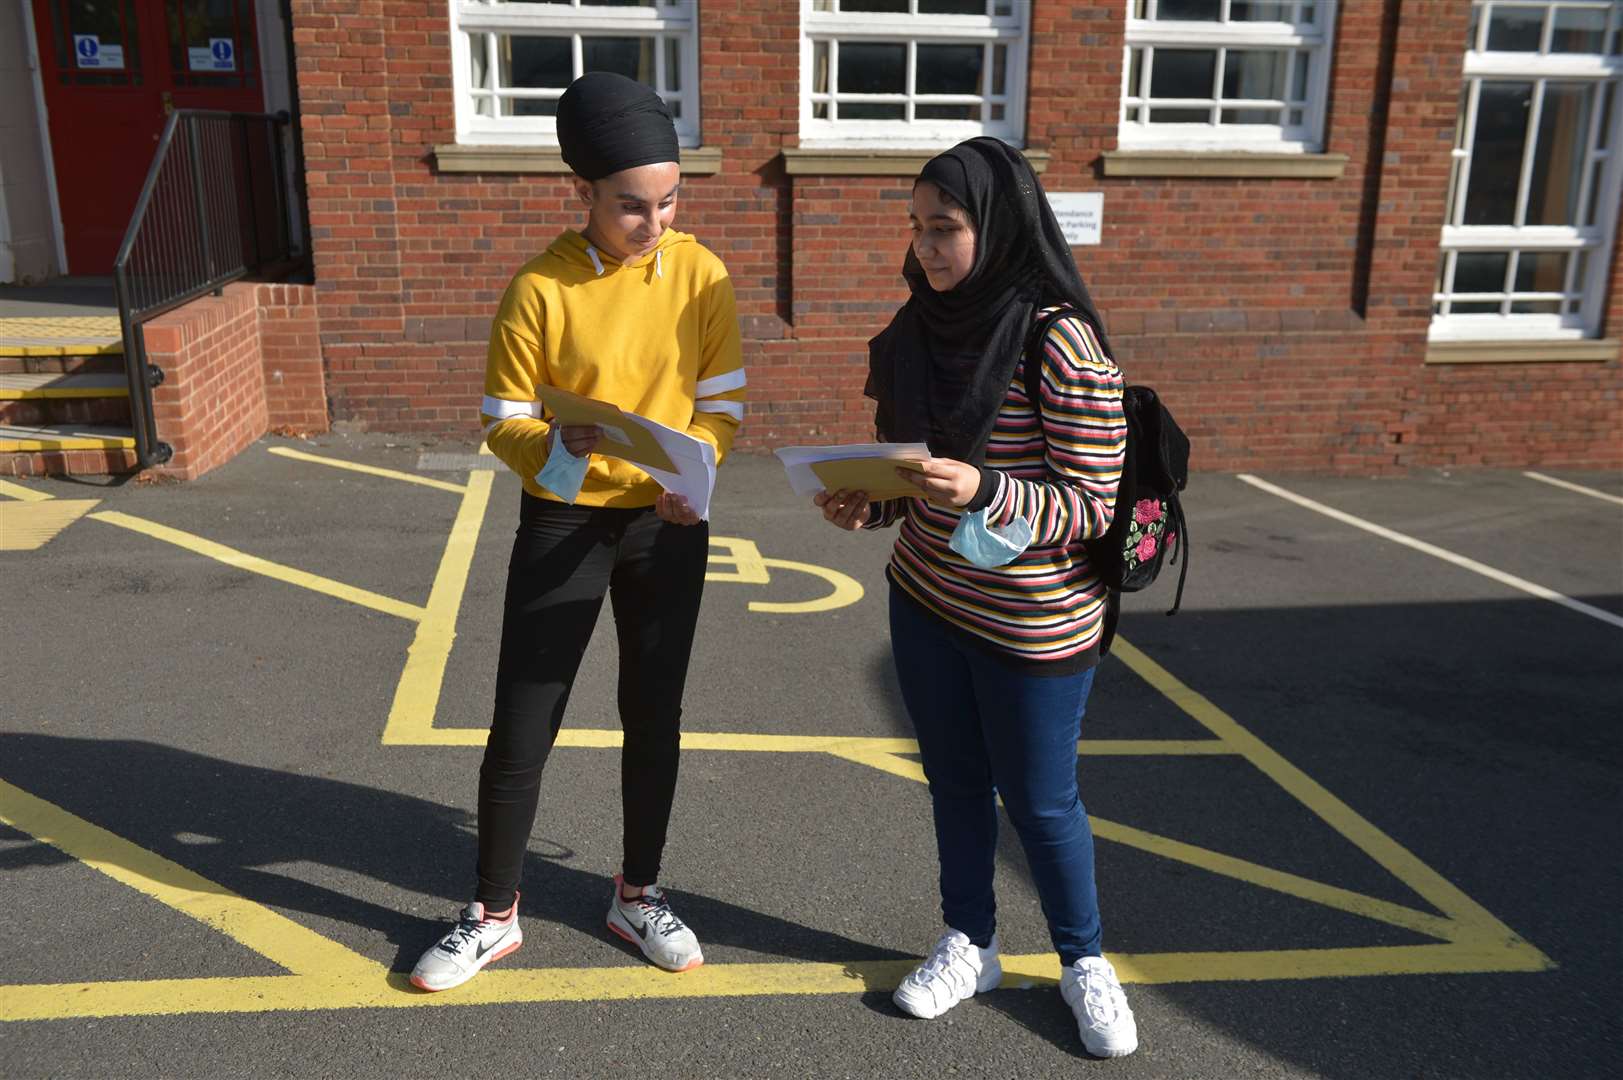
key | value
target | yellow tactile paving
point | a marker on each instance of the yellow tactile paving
(60, 335)
(26, 526)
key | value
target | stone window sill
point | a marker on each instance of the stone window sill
(1600, 350)
(1223, 163)
(802, 161)
(461, 158)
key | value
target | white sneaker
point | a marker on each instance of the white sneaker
(472, 943)
(649, 923)
(1093, 992)
(957, 969)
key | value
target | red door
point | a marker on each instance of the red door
(112, 70)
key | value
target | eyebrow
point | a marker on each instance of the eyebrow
(933, 217)
(629, 197)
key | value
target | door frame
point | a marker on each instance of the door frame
(58, 233)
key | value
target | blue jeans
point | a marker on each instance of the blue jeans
(987, 729)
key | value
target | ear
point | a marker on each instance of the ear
(583, 189)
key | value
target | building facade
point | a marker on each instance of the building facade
(1349, 235)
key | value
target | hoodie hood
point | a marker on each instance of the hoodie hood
(581, 256)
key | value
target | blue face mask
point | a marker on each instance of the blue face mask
(989, 546)
(564, 472)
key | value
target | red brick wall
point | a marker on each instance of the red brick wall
(212, 401)
(1284, 319)
(290, 354)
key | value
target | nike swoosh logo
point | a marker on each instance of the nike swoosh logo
(480, 950)
(640, 931)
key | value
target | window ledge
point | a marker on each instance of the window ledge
(1593, 350)
(1223, 163)
(492, 158)
(801, 161)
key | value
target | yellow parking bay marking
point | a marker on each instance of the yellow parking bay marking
(417, 694)
(28, 526)
(273, 936)
(371, 470)
(19, 491)
(241, 560)
(1493, 573)
(1570, 486)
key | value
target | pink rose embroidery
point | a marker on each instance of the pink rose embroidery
(1146, 549)
(1146, 511)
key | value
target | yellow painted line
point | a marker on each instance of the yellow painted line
(1214, 862)
(19, 491)
(845, 592)
(510, 985)
(417, 694)
(254, 564)
(38, 443)
(1532, 588)
(28, 526)
(1397, 860)
(275, 937)
(370, 470)
(97, 347)
(1570, 486)
(743, 556)
(62, 393)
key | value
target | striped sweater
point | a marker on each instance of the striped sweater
(1059, 471)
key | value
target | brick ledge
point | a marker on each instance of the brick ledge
(1601, 350)
(1223, 163)
(804, 161)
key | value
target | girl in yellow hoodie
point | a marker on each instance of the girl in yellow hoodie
(628, 311)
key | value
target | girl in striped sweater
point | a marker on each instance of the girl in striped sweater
(996, 615)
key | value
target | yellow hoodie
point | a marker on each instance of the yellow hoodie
(658, 338)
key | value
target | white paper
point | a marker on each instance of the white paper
(695, 460)
(798, 460)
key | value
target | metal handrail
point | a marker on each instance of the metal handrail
(214, 208)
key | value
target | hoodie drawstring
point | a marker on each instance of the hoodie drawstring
(591, 253)
(659, 264)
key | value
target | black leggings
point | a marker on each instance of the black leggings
(564, 559)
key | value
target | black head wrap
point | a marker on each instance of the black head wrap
(608, 122)
(943, 366)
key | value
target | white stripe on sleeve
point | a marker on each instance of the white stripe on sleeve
(502, 409)
(720, 384)
(734, 409)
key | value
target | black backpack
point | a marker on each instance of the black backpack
(1149, 521)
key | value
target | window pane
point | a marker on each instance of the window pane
(1250, 116)
(820, 67)
(535, 61)
(1473, 28)
(1190, 10)
(1496, 157)
(850, 110)
(480, 75)
(869, 68)
(529, 107)
(1541, 271)
(819, 110)
(892, 6)
(1477, 308)
(1535, 307)
(1299, 76)
(951, 7)
(946, 112)
(1259, 11)
(1135, 68)
(997, 112)
(1000, 69)
(1183, 73)
(1558, 159)
(1481, 271)
(673, 64)
(1515, 29)
(1595, 178)
(1180, 116)
(948, 69)
(631, 57)
(1606, 114)
(1580, 30)
(1254, 73)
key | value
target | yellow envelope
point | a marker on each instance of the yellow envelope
(623, 437)
(876, 476)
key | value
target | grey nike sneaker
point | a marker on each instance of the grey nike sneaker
(649, 923)
(472, 943)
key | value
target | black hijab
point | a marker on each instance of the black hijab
(607, 123)
(943, 366)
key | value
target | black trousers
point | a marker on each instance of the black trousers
(564, 559)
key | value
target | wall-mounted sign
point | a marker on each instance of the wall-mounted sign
(219, 55)
(89, 51)
(1081, 215)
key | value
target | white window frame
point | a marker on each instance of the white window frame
(912, 29)
(1541, 69)
(1308, 137)
(677, 19)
